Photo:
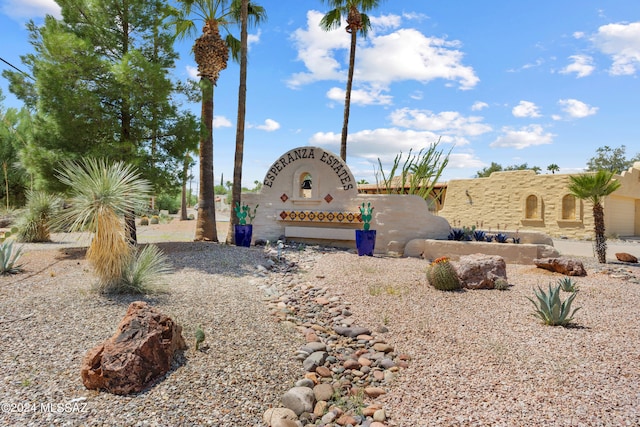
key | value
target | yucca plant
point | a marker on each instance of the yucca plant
(9, 258)
(101, 194)
(551, 309)
(442, 275)
(35, 225)
(567, 284)
(143, 273)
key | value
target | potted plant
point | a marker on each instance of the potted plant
(244, 231)
(366, 238)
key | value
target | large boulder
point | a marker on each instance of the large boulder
(141, 351)
(479, 271)
(566, 266)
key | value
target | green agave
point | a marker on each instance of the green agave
(567, 284)
(9, 258)
(551, 309)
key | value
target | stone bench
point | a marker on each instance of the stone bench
(321, 225)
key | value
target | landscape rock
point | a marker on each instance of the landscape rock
(323, 391)
(140, 352)
(479, 271)
(273, 416)
(566, 266)
(625, 257)
(299, 400)
(314, 360)
(351, 332)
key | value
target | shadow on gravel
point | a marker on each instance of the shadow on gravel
(213, 258)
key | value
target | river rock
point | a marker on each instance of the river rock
(299, 400)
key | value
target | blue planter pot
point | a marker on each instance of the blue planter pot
(365, 242)
(243, 234)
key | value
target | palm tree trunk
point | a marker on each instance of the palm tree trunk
(236, 191)
(206, 223)
(601, 239)
(183, 198)
(347, 97)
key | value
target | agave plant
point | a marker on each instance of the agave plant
(551, 309)
(9, 258)
(567, 284)
(501, 238)
(479, 235)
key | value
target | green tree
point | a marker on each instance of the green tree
(245, 10)
(595, 187)
(611, 159)
(211, 53)
(496, 167)
(355, 12)
(14, 129)
(553, 168)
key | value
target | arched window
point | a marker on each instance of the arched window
(306, 185)
(569, 207)
(532, 207)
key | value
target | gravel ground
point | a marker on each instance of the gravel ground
(478, 357)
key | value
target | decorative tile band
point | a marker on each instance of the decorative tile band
(314, 216)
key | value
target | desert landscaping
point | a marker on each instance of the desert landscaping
(473, 357)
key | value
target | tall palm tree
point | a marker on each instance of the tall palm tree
(245, 10)
(357, 22)
(211, 53)
(595, 187)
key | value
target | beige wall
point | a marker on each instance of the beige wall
(499, 202)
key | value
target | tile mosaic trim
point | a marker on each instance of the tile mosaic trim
(314, 216)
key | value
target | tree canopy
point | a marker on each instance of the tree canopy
(496, 167)
(611, 159)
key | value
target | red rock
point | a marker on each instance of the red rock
(346, 419)
(566, 266)
(140, 352)
(374, 391)
(625, 257)
(323, 371)
(479, 271)
(364, 361)
(312, 376)
(351, 364)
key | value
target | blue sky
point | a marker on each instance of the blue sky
(512, 82)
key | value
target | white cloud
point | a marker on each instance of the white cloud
(445, 123)
(221, 122)
(577, 109)
(535, 64)
(192, 73)
(383, 143)
(269, 125)
(361, 96)
(385, 21)
(21, 9)
(622, 43)
(254, 38)
(479, 105)
(525, 109)
(582, 65)
(578, 35)
(417, 95)
(524, 137)
(405, 54)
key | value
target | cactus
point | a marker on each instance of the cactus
(243, 212)
(442, 275)
(144, 220)
(155, 219)
(366, 215)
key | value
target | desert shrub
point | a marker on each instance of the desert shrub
(501, 284)
(168, 202)
(551, 309)
(567, 284)
(143, 273)
(35, 225)
(442, 275)
(9, 258)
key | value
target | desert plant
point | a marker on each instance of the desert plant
(551, 309)
(501, 284)
(5, 235)
(501, 238)
(366, 214)
(243, 212)
(489, 238)
(9, 258)
(100, 195)
(479, 235)
(442, 275)
(142, 274)
(144, 220)
(155, 219)
(35, 225)
(567, 284)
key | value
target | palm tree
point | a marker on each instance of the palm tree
(553, 168)
(211, 54)
(595, 187)
(257, 13)
(357, 22)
